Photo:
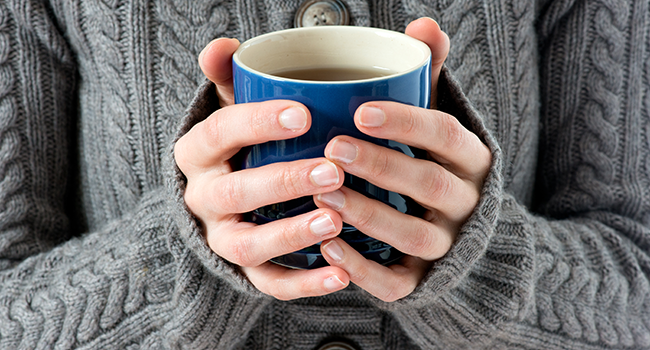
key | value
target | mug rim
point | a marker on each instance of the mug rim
(352, 29)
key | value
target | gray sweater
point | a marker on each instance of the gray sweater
(97, 250)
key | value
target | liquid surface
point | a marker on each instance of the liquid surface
(334, 73)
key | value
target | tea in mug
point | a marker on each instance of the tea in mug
(334, 73)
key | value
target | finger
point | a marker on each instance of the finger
(425, 181)
(427, 30)
(288, 284)
(388, 283)
(250, 245)
(220, 136)
(242, 191)
(408, 234)
(216, 63)
(443, 136)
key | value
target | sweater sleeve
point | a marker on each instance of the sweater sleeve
(573, 271)
(132, 283)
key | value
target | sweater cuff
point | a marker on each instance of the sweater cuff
(191, 231)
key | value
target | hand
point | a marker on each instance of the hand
(218, 196)
(447, 187)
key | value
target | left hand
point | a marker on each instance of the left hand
(447, 186)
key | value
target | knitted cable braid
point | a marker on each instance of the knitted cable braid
(99, 251)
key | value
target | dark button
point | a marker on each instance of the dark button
(337, 345)
(321, 13)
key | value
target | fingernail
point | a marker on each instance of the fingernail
(371, 117)
(293, 118)
(343, 151)
(333, 283)
(334, 200)
(322, 225)
(334, 250)
(325, 174)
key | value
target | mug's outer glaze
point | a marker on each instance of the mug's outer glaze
(332, 106)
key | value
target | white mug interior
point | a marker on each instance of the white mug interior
(332, 47)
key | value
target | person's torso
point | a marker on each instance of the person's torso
(138, 72)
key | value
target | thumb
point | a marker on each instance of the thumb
(427, 30)
(216, 63)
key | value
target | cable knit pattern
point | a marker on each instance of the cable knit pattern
(12, 172)
(204, 307)
(583, 295)
(98, 90)
(525, 93)
(645, 117)
(584, 300)
(634, 88)
(600, 146)
(184, 29)
(80, 291)
(509, 81)
(106, 99)
(31, 210)
(469, 57)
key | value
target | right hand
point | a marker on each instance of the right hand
(218, 196)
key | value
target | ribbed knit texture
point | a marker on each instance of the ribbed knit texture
(98, 251)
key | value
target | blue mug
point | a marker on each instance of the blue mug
(332, 70)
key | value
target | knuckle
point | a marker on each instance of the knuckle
(192, 198)
(288, 239)
(360, 275)
(437, 187)
(419, 242)
(181, 156)
(381, 166)
(277, 291)
(223, 195)
(212, 128)
(230, 194)
(388, 296)
(240, 252)
(258, 124)
(289, 186)
(398, 291)
(455, 135)
(366, 218)
(284, 290)
(411, 123)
